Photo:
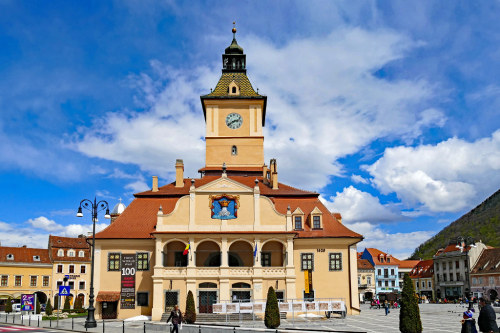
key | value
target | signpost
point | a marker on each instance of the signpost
(27, 302)
(128, 266)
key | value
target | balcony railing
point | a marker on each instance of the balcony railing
(387, 277)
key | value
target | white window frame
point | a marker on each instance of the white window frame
(81, 269)
(21, 284)
(84, 285)
(62, 269)
(7, 283)
(71, 253)
(43, 278)
(69, 266)
(31, 281)
(60, 253)
(81, 254)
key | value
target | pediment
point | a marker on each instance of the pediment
(298, 211)
(222, 185)
(316, 211)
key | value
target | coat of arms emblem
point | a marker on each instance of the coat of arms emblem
(224, 206)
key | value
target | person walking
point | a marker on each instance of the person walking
(176, 316)
(468, 323)
(487, 318)
(386, 307)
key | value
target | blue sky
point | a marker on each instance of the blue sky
(389, 109)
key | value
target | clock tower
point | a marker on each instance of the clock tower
(234, 115)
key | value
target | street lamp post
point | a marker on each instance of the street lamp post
(464, 244)
(94, 208)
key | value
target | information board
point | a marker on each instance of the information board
(128, 268)
(27, 302)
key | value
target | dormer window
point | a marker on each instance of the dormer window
(60, 253)
(36, 258)
(10, 256)
(81, 254)
(381, 259)
(233, 89)
(388, 259)
(316, 217)
(298, 219)
(71, 253)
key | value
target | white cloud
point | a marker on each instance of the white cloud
(44, 223)
(324, 103)
(359, 206)
(446, 177)
(359, 179)
(138, 186)
(401, 245)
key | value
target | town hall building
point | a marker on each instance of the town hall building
(232, 233)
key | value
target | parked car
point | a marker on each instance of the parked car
(16, 307)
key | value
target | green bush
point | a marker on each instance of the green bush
(409, 316)
(48, 308)
(37, 306)
(8, 306)
(67, 305)
(272, 315)
(190, 314)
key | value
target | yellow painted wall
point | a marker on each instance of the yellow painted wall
(250, 151)
(83, 277)
(26, 271)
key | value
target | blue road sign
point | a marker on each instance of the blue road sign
(64, 291)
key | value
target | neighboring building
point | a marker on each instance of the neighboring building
(71, 257)
(422, 276)
(486, 275)
(243, 230)
(24, 270)
(117, 210)
(366, 280)
(405, 266)
(386, 273)
(451, 270)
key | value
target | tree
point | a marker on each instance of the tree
(48, 308)
(409, 316)
(272, 315)
(78, 304)
(67, 305)
(8, 306)
(190, 315)
(37, 306)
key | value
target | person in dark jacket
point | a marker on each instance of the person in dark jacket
(468, 323)
(176, 316)
(487, 318)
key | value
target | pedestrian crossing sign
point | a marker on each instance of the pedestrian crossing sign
(64, 291)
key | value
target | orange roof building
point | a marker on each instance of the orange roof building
(232, 233)
(422, 275)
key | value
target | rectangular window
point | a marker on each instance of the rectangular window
(387, 283)
(429, 284)
(438, 277)
(335, 261)
(5, 280)
(386, 272)
(59, 283)
(71, 269)
(143, 261)
(317, 222)
(181, 260)
(309, 297)
(474, 280)
(451, 276)
(392, 271)
(458, 276)
(423, 284)
(480, 280)
(59, 268)
(71, 285)
(369, 280)
(444, 277)
(298, 222)
(81, 285)
(113, 261)
(33, 280)
(307, 260)
(46, 280)
(492, 280)
(379, 272)
(457, 264)
(18, 280)
(380, 283)
(265, 259)
(393, 283)
(171, 299)
(83, 269)
(280, 295)
(359, 280)
(142, 299)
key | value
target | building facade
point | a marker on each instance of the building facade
(422, 276)
(232, 233)
(366, 280)
(70, 257)
(24, 270)
(386, 273)
(452, 267)
(485, 276)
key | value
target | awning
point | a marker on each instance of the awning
(108, 296)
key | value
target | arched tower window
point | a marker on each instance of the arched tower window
(234, 149)
(234, 90)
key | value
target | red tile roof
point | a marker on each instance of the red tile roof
(364, 264)
(377, 255)
(66, 243)
(24, 255)
(423, 269)
(408, 263)
(451, 248)
(488, 262)
(140, 217)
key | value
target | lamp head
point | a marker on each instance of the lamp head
(107, 216)
(79, 212)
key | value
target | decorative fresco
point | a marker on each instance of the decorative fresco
(224, 206)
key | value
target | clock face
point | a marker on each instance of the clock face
(234, 120)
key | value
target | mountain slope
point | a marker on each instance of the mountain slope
(481, 223)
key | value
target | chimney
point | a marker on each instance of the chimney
(179, 173)
(275, 180)
(274, 173)
(264, 173)
(155, 184)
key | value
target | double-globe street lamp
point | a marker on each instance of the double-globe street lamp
(94, 208)
(465, 244)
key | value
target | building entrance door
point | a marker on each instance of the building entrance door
(109, 310)
(206, 300)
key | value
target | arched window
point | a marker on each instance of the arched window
(71, 253)
(81, 254)
(234, 90)
(207, 285)
(241, 285)
(234, 149)
(60, 253)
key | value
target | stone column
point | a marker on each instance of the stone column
(191, 254)
(223, 249)
(158, 301)
(257, 258)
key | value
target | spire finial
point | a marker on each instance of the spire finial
(234, 29)
(120, 200)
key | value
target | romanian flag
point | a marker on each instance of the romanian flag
(186, 250)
